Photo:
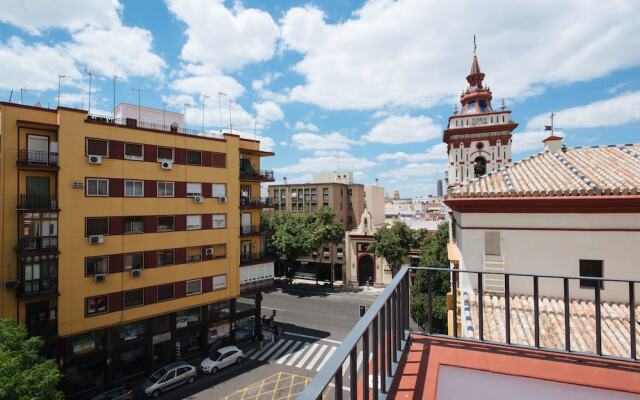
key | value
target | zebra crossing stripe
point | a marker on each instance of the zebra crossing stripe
(271, 350)
(307, 355)
(315, 359)
(326, 358)
(298, 354)
(277, 353)
(292, 350)
(258, 351)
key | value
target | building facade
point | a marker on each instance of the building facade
(122, 244)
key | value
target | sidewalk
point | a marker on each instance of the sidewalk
(338, 286)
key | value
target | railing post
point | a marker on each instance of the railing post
(429, 303)
(394, 337)
(632, 319)
(567, 316)
(375, 345)
(365, 364)
(454, 300)
(536, 312)
(480, 308)
(389, 317)
(598, 319)
(407, 301)
(338, 388)
(353, 374)
(507, 310)
(383, 353)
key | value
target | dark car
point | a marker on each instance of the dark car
(116, 393)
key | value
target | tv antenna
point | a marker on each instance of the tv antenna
(204, 97)
(89, 72)
(220, 94)
(60, 78)
(140, 91)
(551, 127)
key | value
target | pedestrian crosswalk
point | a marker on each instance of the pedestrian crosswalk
(309, 356)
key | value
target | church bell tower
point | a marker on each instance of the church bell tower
(478, 138)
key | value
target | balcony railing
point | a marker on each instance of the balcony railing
(260, 202)
(37, 158)
(254, 257)
(38, 287)
(38, 243)
(134, 123)
(258, 175)
(246, 230)
(385, 326)
(37, 202)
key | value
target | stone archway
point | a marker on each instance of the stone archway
(366, 270)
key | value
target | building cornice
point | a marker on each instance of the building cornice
(543, 205)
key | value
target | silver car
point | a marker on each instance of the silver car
(169, 377)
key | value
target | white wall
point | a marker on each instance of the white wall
(555, 252)
(374, 202)
(150, 115)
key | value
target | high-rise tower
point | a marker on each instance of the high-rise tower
(478, 138)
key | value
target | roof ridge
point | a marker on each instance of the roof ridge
(625, 149)
(577, 172)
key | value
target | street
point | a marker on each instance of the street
(314, 322)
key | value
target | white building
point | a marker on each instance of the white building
(146, 115)
(570, 212)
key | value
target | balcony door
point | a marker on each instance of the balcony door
(245, 223)
(245, 251)
(37, 149)
(38, 191)
(245, 193)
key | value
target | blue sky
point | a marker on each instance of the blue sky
(354, 85)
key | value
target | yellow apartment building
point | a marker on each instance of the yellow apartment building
(125, 244)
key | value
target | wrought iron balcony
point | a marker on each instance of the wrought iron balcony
(260, 202)
(248, 230)
(37, 202)
(254, 257)
(40, 159)
(46, 243)
(262, 175)
(38, 287)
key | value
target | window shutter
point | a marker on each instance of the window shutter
(150, 188)
(150, 294)
(492, 243)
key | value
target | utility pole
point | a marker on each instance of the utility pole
(220, 107)
(204, 96)
(60, 78)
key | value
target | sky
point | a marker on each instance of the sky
(361, 86)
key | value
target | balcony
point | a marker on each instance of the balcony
(37, 202)
(38, 287)
(260, 202)
(261, 175)
(47, 243)
(517, 334)
(250, 230)
(255, 257)
(37, 159)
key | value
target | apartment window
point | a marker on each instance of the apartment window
(96, 265)
(133, 298)
(593, 269)
(194, 189)
(194, 286)
(220, 250)
(133, 188)
(97, 187)
(219, 221)
(492, 243)
(218, 190)
(165, 257)
(165, 189)
(194, 254)
(194, 157)
(97, 226)
(349, 206)
(349, 220)
(219, 282)
(133, 151)
(133, 225)
(166, 292)
(97, 147)
(133, 261)
(166, 223)
(165, 154)
(194, 222)
(325, 204)
(313, 206)
(96, 305)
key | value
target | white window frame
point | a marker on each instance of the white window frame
(192, 226)
(222, 280)
(216, 224)
(136, 158)
(192, 193)
(129, 267)
(191, 293)
(97, 194)
(135, 183)
(165, 184)
(218, 195)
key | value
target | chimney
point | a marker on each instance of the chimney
(553, 144)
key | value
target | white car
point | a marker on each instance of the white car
(221, 358)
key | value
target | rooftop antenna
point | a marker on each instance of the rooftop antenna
(230, 115)
(89, 72)
(164, 110)
(10, 95)
(139, 90)
(503, 106)
(22, 90)
(474, 44)
(455, 109)
(220, 107)
(115, 77)
(551, 127)
(204, 97)
(60, 78)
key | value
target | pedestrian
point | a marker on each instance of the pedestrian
(260, 341)
(273, 337)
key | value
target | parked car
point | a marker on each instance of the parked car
(220, 358)
(116, 393)
(169, 377)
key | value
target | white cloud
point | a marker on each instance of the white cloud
(325, 161)
(260, 87)
(391, 53)
(413, 170)
(301, 126)
(267, 112)
(399, 129)
(197, 79)
(223, 38)
(435, 152)
(615, 111)
(314, 141)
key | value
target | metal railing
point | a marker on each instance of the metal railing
(37, 202)
(38, 243)
(255, 174)
(38, 287)
(252, 230)
(259, 202)
(134, 123)
(37, 158)
(254, 257)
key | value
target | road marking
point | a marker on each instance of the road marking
(271, 350)
(326, 358)
(298, 354)
(315, 359)
(306, 356)
(277, 353)
(258, 351)
(277, 309)
(312, 337)
(292, 350)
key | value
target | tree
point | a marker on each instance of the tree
(433, 254)
(292, 236)
(327, 230)
(24, 372)
(392, 243)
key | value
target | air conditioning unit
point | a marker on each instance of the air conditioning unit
(223, 199)
(100, 278)
(94, 159)
(208, 251)
(198, 199)
(96, 239)
(77, 185)
(11, 285)
(136, 272)
(166, 164)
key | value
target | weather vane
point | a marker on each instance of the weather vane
(474, 44)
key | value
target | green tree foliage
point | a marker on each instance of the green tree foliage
(292, 236)
(327, 228)
(433, 254)
(392, 242)
(24, 373)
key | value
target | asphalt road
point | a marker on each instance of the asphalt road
(314, 320)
